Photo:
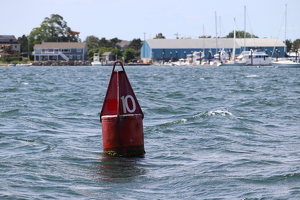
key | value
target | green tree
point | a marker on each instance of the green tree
(240, 34)
(204, 36)
(113, 42)
(136, 44)
(159, 36)
(128, 54)
(92, 42)
(296, 45)
(24, 43)
(91, 53)
(288, 44)
(53, 29)
(103, 42)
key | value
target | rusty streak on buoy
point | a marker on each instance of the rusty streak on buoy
(121, 117)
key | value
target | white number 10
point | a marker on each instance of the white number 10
(125, 104)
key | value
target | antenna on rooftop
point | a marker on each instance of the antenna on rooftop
(177, 35)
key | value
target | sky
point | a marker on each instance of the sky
(132, 19)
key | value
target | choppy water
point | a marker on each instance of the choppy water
(210, 133)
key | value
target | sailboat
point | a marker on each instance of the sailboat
(197, 57)
(287, 63)
(233, 61)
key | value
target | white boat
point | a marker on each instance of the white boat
(238, 61)
(293, 62)
(181, 62)
(232, 63)
(211, 61)
(96, 60)
(220, 58)
(189, 58)
(23, 65)
(258, 58)
(286, 64)
(197, 57)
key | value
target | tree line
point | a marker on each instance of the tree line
(55, 29)
(96, 45)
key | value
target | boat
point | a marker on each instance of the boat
(211, 61)
(259, 58)
(286, 64)
(181, 62)
(197, 57)
(221, 57)
(292, 60)
(240, 60)
(22, 65)
(96, 60)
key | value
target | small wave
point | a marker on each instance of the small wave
(13, 89)
(25, 139)
(25, 83)
(272, 179)
(222, 112)
(10, 111)
(174, 122)
(251, 76)
(293, 175)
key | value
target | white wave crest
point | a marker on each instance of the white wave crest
(222, 112)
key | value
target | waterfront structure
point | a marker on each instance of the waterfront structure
(9, 44)
(108, 56)
(174, 49)
(68, 51)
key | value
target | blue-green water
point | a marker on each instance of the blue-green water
(210, 133)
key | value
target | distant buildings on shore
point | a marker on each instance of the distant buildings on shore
(152, 49)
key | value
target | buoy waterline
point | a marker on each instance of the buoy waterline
(121, 117)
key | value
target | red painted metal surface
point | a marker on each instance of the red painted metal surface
(121, 117)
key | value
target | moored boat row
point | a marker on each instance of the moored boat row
(246, 58)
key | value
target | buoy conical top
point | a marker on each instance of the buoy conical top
(120, 98)
(121, 117)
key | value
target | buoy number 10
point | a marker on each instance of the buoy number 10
(125, 104)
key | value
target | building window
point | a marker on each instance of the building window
(78, 57)
(78, 50)
(70, 57)
(66, 50)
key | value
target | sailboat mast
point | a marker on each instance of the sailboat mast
(216, 33)
(285, 29)
(220, 28)
(244, 28)
(203, 40)
(233, 51)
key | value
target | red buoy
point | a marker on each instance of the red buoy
(121, 117)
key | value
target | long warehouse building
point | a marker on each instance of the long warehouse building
(174, 49)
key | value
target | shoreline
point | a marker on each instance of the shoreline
(71, 63)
